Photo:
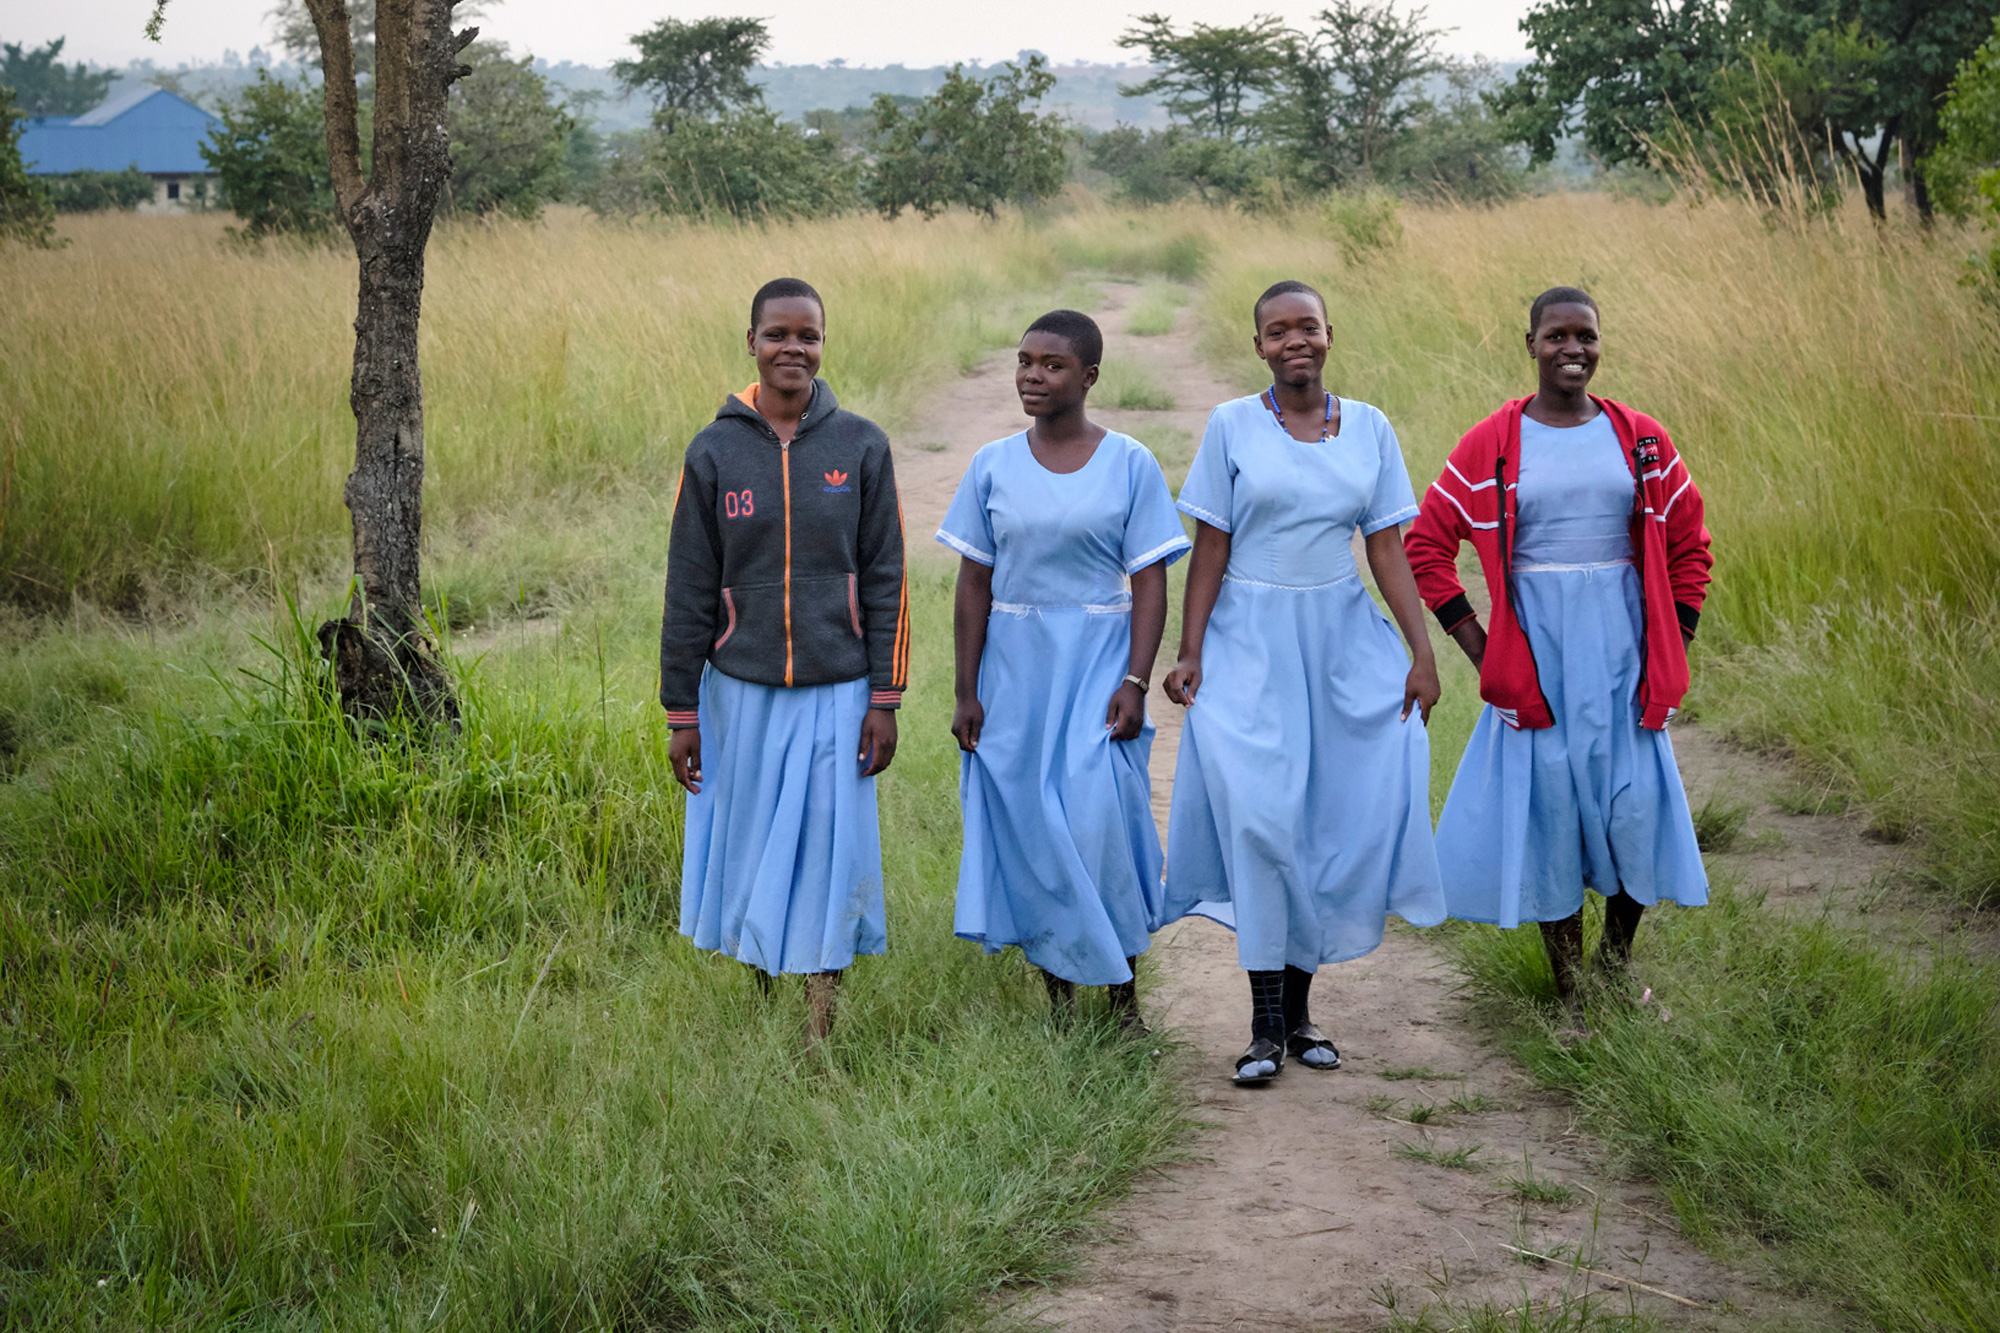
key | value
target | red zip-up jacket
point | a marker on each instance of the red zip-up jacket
(1669, 543)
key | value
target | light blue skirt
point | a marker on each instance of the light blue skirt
(1595, 800)
(783, 867)
(1061, 855)
(1301, 812)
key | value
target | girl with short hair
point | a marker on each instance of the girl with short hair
(784, 651)
(1301, 810)
(1061, 856)
(1590, 535)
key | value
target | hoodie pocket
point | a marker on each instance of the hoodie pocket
(854, 602)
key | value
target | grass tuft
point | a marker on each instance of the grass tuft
(1718, 824)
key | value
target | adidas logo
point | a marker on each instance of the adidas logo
(836, 480)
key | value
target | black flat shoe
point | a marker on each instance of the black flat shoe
(1263, 1051)
(1309, 1046)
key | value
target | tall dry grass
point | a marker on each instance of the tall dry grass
(170, 401)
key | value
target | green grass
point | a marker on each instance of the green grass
(1158, 306)
(1454, 1159)
(1718, 823)
(1125, 386)
(296, 1033)
(1811, 1098)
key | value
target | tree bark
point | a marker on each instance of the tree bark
(384, 664)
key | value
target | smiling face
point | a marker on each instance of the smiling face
(787, 342)
(1050, 377)
(1292, 337)
(1565, 347)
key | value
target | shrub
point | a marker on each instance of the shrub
(96, 191)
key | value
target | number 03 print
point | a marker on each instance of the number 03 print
(738, 504)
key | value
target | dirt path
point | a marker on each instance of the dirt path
(1318, 1201)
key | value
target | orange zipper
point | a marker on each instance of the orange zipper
(785, 462)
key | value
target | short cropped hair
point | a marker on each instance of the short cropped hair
(777, 289)
(1284, 288)
(1076, 328)
(1558, 296)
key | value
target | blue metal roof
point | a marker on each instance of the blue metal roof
(152, 129)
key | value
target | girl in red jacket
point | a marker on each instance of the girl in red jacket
(1589, 533)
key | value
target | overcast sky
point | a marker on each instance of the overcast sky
(861, 32)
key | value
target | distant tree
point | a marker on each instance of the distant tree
(1633, 74)
(1209, 78)
(972, 142)
(1964, 170)
(1621, 71)
(1921, 45)
(1775, 118)
(1458, 151)
(696, 69)
(270, 157)
(1357, 85)
(25, 213)
(746, 164)
(99, 191)
(44, 86)
(509, 137)
(1139, 161)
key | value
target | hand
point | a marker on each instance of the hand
(967, 721)
(878, 741)
(1127, 714)
(685, 751)
(1420, 688)
(1184, 681)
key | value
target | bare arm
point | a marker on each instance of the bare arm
(1391, 569)
(1126, 715)
(971, 606)
(1204, 585)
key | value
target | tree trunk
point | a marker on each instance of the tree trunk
(383, 662)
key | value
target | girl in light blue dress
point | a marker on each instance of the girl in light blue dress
(1061, 856)
(1301, 810)
(1598, 569)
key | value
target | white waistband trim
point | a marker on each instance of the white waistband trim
(1030, 608)
(1294, 587)
(1537, 567)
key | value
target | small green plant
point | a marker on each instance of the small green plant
(1457, 1159)
(1364, 223)
(1470, 1103)
(1130, 389)
(1718, 823)
(1154, 312)
(1531, 1188)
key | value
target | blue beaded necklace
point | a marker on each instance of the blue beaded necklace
(1326, 426)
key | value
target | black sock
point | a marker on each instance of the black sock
(1297, 983)
(1267, 1006)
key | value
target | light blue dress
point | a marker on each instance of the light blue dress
(1535, 815)
(1061, 856)
(1301, 811)
(783, 863)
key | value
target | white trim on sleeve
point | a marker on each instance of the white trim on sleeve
(1196, 511)
(965, 548)
(1402, 515)
(1164, 549)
